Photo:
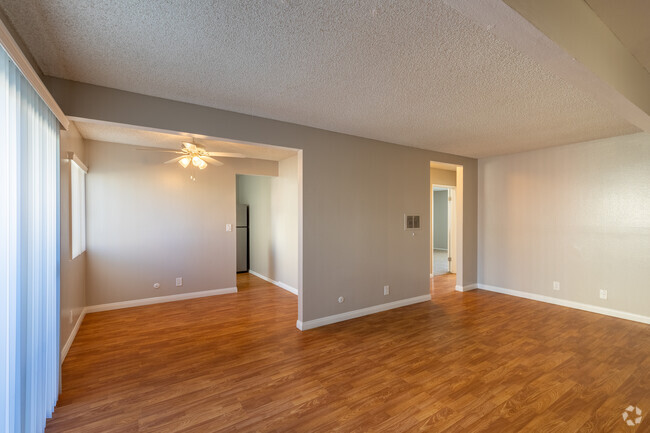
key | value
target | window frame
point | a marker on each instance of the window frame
(78, 172)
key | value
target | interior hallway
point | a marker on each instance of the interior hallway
(440, 262)
(473, 361)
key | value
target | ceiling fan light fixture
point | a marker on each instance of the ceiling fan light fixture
(196, 155)
(185, 161)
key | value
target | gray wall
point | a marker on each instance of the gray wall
(73, 272)
(148, 222)
(273, 210)
(577, 214)
(355, 192)
(440, 217)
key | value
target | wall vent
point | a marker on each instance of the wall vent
(411, 222)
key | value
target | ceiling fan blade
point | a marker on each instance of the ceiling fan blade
(212, 161)
(187, 145)
(152, 149)
(227, 154)
(174, 159)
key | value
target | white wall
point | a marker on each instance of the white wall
(148, 222)
(284, 210)
(73, 272)
(577, 214)
(273, 211)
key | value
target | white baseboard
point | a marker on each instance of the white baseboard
(311, 324)
(73, 334)
(567, 303)
(467, 288)
(280, 284)
(158, 300)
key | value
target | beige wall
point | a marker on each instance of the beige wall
(148, 222)
(273, 210)
(355, 192)
(577, 214)
(73, 272)
(443, 177)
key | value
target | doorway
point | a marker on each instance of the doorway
(443, 212)
(446, 223)
(268, 225)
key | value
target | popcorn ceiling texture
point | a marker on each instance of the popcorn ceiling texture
(412, 73)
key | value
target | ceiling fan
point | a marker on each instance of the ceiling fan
(195, 154)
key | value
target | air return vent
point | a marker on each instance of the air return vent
(411, 222)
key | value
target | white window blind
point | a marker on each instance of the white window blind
(77, 208)
(29, 254)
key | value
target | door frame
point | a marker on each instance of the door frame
(460, 198)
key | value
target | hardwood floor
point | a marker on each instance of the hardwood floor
(473, 361)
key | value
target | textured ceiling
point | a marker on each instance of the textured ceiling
(413, 73)
(629, 21)
(138, 137)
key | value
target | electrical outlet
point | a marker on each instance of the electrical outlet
(556, 285)
(228, 227)
(386, 290)
(71, 317)
(603, 294)
(179, 281)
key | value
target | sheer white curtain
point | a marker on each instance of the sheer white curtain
(29, 254)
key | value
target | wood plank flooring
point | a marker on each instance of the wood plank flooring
(473, 361)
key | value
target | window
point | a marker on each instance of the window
(77, 208)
